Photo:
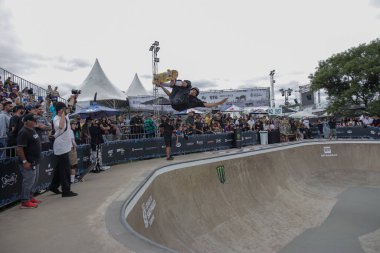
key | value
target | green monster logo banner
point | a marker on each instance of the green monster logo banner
(221, 174)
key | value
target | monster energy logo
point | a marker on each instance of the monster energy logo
(221, 174)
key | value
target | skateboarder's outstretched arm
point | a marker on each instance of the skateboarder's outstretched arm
(164, 89)
(171, 84)
(208, 105)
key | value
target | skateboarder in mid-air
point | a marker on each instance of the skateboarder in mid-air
(183, 96)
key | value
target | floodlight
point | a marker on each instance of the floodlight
(157, 49)
(151, 48)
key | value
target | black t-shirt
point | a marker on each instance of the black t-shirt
(332, 124)
(168, 130)
(30, 141)
(198, 126)
(16, 123)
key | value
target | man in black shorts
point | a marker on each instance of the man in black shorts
(184, 96)
(167, 131)
(29, 153)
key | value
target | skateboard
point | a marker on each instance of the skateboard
(165, 76)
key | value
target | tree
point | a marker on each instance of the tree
(351, 77)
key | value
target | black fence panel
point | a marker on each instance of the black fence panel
(46, 171)
(274, 137)
(84, 158)
(249, 138)
(358, 132)
(11, 178)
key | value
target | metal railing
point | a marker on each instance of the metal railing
(37, 90)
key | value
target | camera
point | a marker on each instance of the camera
(75, 92)
(28, 91)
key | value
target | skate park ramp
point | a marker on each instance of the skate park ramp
(307, 197)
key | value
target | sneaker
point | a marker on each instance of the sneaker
(69, 194)
(35, 201)
(56, 191)
(170, 158)
(28, 205)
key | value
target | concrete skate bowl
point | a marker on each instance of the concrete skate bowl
(308, 197)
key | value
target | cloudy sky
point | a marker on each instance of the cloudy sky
(215, 43)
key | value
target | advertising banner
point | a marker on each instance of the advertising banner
(358, 132)
(46, 171)
(249, 138)
(84, 161)
(10, 184)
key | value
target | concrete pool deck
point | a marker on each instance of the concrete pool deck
(91, 222)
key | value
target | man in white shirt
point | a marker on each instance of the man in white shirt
(251, 123)
(61, 147)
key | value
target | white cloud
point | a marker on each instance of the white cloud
(233, 45)
(375, 3)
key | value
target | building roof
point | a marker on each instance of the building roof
(136, 88)
(97, 81)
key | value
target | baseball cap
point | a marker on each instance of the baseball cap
(18, 107)
(29, 107)
(29, 117)
(7, 102)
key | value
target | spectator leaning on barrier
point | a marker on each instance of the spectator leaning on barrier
(77, 131)
(137, 129)
(5, 116)
(43, 127)
(95, 137)
(149, 127)
(73, 152)
(29, 153)
(62, 146)
(332, 125)
(85, 132)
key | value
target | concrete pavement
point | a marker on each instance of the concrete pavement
(270, 198)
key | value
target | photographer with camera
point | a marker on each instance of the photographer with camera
(61, 147)
(72, 101)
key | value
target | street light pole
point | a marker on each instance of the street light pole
(286, 94)
(154, 48)
(272, 81)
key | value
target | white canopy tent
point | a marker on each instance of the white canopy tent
(97, 82)
(136, 88)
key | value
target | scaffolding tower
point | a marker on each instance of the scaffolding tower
(154, 48)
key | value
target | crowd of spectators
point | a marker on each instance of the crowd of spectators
(147, 126)
(15, 103)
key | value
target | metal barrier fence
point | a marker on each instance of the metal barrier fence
(11, 178)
